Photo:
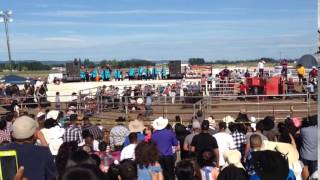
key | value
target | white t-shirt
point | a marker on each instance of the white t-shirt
(53, 137)
(128, 152)
(225, 142)
(260, 65)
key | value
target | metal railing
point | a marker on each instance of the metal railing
(109, 108)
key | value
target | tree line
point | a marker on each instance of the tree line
(31, 65)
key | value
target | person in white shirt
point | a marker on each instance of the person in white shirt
(260, 68)
(53, 135)
(128, 151)
(224, 140)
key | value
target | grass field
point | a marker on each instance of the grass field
(33, 74)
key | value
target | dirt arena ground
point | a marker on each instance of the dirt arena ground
(218, 109)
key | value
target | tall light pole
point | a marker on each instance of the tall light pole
(5, 17)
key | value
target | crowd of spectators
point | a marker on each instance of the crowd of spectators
(51, 145)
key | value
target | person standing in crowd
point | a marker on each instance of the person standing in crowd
(196, 128)
(154, 73)
(204, 141)
(83, 74)
(210, 81)
(57, 102)
(184, 170)
(104, 74)
(93, 129)
(128, 151)
(301, 73)
(270, 165)
(284, 71)
(255, 145)
(309, 150)
(224, 140)
(117, 74)
(5, 136)
(53, 134)
(93, 73)
(135, 126)
(247, 74)
(313, 74)
(260, 67)
(108, 73)
(131, 73)
(206, 161)
(148, 105)
(259, 130)
(147, 159)
(118, 135)
(165, 139)
(147, 132)
(239, 138)
(73, 131)
(37, 160)
(243, 90)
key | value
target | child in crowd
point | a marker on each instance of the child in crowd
(206, 161)
(255, 145)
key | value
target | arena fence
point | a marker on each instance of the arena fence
(107, 108)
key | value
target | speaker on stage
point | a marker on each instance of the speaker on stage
(73, 69)
(175, 70)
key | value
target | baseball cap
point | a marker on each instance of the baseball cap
(23, 127)
(205, 125)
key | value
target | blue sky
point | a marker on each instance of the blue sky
(160, 29)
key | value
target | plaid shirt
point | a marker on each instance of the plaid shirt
(73, 133)
(239, 140)
(95, 131)
(118, 135)
(4, 136)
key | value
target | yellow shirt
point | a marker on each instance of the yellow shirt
(301, 71)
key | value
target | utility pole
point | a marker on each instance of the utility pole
(5, 17)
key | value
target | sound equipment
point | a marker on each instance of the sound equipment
(72, 73)
(175, 70)
(73, 69)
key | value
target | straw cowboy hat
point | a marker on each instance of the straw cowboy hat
(160, 123)
(136, 126)
(232, 157)
(212, 122)
(228, 119)
(286, 149)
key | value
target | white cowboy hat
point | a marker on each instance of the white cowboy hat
(212, 122)
(160, 123)
(135, 126)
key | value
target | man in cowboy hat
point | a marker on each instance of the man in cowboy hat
(165, 139)
(135, 126)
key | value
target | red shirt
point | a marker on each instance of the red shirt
(314, 73)
(243, 87)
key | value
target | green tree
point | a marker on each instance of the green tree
(196, 61)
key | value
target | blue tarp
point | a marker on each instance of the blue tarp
(13, 79)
